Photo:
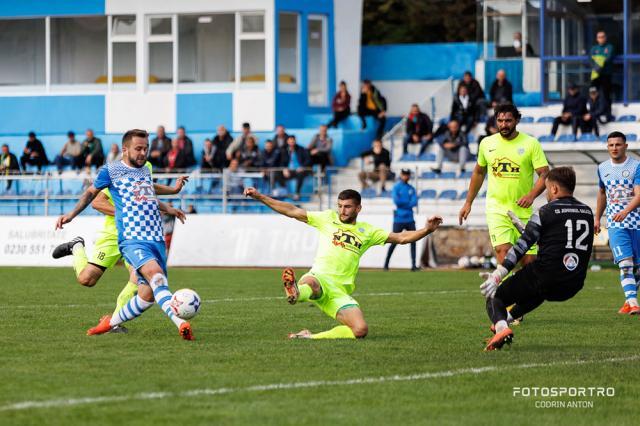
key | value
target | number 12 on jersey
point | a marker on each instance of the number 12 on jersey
(580, 226)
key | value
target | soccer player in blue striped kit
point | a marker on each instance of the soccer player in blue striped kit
(619, 180)
(140, 235)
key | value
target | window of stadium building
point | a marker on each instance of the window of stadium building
(23, 52)
(160, 39)
(252, 48)
(288, 52)
(206, 48)
(78, 50)
(123, 50)
(317, 61)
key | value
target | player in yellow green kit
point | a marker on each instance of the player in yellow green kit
(510, 158)
(105, 250)
(331, 280)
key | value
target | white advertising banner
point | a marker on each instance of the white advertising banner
(29, 240)
(266, 241)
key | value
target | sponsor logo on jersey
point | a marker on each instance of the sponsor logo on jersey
(142, 192)
(505, 168)
(347, 240)
(570, 261)
(619, 193)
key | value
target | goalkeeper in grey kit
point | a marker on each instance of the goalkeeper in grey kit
(563, 229)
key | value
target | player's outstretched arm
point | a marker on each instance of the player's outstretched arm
(538, 188)
(102, 204)
(172, 211)
(406, 237)
(167, 190)
(281, 207)
(477, 178)
(85, 199)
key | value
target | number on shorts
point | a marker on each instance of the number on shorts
(580, 224)
(139, 253)
(101, 255)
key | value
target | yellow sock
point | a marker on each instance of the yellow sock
(338, 332)
(129, 291)
(79, 259)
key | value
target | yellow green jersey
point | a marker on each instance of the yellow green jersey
(511, 165)
(341, 245)
(110, 221)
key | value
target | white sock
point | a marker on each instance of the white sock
(132, 309)
(162, 295)
(632, 301)
(509, 317)
(76, 247)
(501, 325)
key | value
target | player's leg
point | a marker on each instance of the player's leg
(308, 287)
(411, 226)
(621, 243)
(397, 227)
(128, 292)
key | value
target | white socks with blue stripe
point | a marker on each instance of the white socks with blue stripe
(162, 294)
(628, 282)
(133, 309)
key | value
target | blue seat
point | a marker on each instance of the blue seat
(408, 157)
(428, 194)
(603, 138)
(546, 119)
(471, 138)
(386, 194)
(588, 137)
(463, 195)
(567, 138)
(527, 119)
(632, 137)
(449, 194)
(626, 118)
(428, 156)
(443, 121)
(368, 193)
(447, 175)
(466, 175)
(546, 138)
(483, 195)
(429, 175)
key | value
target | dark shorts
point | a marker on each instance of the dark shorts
(524, 287)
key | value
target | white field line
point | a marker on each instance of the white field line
(245, 299)
(70, 402)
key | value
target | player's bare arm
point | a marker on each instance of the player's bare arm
(633, 204)
(286, 209)
(172, 211)
(601, 204)
(85, 199)
(538, 188)
(407, 237)
(167, 190)
(477, 178)
(101, 203)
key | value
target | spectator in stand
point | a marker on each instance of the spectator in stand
(280, 138)
(475, 93)
(34, 153)
(419, 129)
(221, 142)
(574, 107)
(71, 154)
(405, 198)
(208, 156)
(341, 105)
(320, 148)
(381, 159)
(238, 143)
(602, 65)
(598, 112)
(191, 209)
(8, 164)
(92, 150)
(517, 45)
(235, 182)
(250, 154)
(490, 128)
(454, 146)
(270, 159)
(114, 154)
(501, 90)
(186, 146)
(295, 158)
(175, 160)
(160, 145)
(463, 110)
(372, 103)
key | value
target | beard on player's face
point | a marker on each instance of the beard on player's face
(136, 159)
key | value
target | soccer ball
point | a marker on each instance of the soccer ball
(185, 303)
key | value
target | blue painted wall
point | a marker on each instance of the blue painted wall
(203, 112)
(291, 108)
(51, 114)
(27, 8)
(434, 61)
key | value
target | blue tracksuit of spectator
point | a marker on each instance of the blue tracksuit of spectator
(405, 199)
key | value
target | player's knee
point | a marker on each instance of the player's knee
(87, 280)
(626, 266)
(158, 280)
(360, 330)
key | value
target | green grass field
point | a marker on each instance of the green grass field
(422, 362)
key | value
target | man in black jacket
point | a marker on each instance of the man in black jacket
(221, 142)
(501, 90)
(598, 112)
(372, 103)
(419, 129)
(381, 159)
(296, 159)
(34, 153)
(475, 93)
(463, 110)
(573, 108)
(160, 145)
